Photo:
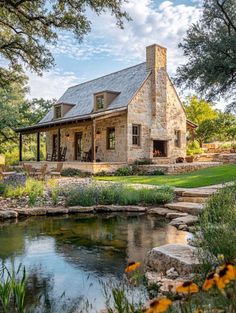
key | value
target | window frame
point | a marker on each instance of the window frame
(177, 138)
(136, 136)
(111, 130)
(59, 106)
(101, 96)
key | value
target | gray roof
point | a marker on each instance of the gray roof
(126, 82)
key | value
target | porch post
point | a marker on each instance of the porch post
(38, 146)
(94, 141)
(58, 144)
(20, 148)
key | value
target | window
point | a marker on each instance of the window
(111, 138)
(136, 135)
(178, 138)
(57, 111)
(100, 102)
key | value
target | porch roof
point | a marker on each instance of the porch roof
(67, 121)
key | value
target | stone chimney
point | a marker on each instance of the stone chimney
(156, 62)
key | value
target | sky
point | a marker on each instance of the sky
(107, 48)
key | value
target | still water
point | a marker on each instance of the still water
(72, 255)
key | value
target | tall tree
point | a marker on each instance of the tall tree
(199, 110)
(28, 26)
(210, 46)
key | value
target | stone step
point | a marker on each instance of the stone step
(186, 207)
(192, 199)
(188, 220)
(199, 193)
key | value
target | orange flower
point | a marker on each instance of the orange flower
(132, 266)
(210, 281)
(199, 311)
(159, 305)
(225, 275)
(187, 287)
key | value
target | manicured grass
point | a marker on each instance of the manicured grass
(204, 177)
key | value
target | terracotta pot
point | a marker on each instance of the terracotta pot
(189, 158)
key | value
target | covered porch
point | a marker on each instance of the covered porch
(91, 143)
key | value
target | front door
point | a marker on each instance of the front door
(78, 146)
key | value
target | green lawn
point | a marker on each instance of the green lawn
(204, 177)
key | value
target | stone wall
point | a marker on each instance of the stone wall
(103, 154)
(139, 112)
(158, 109)
(176, 118)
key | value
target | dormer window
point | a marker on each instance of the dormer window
(57, 111)
(102, 99)
(100, 102)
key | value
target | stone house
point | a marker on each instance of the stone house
(129, 115)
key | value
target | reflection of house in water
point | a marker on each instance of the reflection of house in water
(109, 241)
(142, 237)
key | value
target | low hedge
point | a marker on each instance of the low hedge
(118, 194)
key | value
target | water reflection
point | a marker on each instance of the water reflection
(73, 253)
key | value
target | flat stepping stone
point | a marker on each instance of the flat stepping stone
(8, 214)
(193, 199)
(119, 208)
(31, 212)
(188, 220)
(175, 215)
(199, 193)
(180, 257)
(81, 209)
(57, 211)
(161, 211)
(186, 207)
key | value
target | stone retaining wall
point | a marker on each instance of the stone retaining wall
(177, 168)
(217, 157)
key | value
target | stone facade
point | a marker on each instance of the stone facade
(155, 109)
(103, 154)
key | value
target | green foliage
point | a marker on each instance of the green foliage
(27, 28)
(211, 50)
(124, 171)
(71, 172)
(13, 290)
(193, 147)
(199, 110)
(2, 188)
(33, 189)
(94, 194)
(217, 228)
(143, 162)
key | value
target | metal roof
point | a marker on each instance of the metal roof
(126, 82)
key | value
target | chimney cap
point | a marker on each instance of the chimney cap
(156, 45)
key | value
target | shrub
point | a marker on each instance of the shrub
(94, 194)
(156, 173)
(143, 162)
(101, 174)
(217, 228)
(2, 188)
(124, 171)
(70, 172)
(193, 147)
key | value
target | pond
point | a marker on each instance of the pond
(71, 255)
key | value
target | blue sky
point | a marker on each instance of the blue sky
(107, 49)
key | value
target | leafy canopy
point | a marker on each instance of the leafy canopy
(199, 110)
(210, 46)
(28, 27)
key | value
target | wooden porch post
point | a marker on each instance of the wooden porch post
(58, 144)
(20, 148)
(38, 146)
(94, 141)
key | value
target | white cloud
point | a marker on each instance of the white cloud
(165, 25)
(51, 85)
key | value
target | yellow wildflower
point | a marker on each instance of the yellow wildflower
(160, 305)
(187, 287)
(132, 266)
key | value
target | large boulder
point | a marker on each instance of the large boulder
(180, 257)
